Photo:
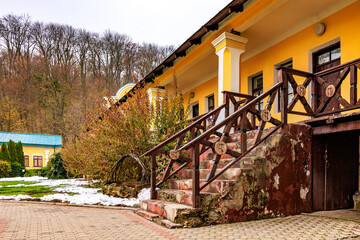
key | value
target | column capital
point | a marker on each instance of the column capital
(154, 93)
(229, 40)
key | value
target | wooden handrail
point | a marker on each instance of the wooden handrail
(231, 117)
(184, 130)
(239, 94)
(296, 72)
(336, 68)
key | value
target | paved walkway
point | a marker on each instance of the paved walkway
(39, 221)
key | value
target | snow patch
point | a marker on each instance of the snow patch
(83, 195)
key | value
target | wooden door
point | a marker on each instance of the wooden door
(324, 59)
(335, 170)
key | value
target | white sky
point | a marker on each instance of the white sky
(160, 21)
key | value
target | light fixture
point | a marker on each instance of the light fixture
(319, 29)
(192, 95)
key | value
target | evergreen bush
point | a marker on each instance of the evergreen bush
(57, 167)
(4, 153)
(16, 169)
(12, 151)
(20, 154)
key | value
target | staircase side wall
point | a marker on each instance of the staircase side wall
(279, 183)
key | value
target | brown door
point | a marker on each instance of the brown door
(324, 59)
(335, 170)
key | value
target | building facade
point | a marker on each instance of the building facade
(37, 147)
(309, 51)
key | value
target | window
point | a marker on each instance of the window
(37, 161)
(210, 103)
(329, 54)
(195, 110)
(26, 158)
(288, 64)
(257, 89)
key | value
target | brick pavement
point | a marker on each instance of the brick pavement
(39, 221)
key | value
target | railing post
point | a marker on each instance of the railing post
(353, 85)
(153, 177)
(282, 76)
(227, 106)
(243, 135)
(313, 94)
(196, 177)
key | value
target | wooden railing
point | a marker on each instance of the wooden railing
(170, 146)
(211, 132)
(325, 90)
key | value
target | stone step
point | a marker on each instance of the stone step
(170, 224)
(244, 163)
(230, 174)
(169, 210)
(217, 186)
(183, 196)
(147, 215)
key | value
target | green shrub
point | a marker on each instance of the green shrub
(5, 169)
(16, 169)
(42, 172)
(57, 167)
(12, 151)
(20, 154)
(4, 153)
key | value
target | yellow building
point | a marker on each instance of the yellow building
(241, 50)
(37, 147)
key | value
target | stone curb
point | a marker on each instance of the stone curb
(69, 204)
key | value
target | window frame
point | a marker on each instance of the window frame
(207, 102)
(277, 103)
(192, 105)
(258, 90)
(36, 160)
(27, 157)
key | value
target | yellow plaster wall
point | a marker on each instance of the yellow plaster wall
(201, 92)
(37, 151)
(343, 24)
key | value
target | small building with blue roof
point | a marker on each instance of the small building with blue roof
(37, 147)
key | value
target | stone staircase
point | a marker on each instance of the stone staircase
(172, 207)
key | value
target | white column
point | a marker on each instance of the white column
(229, 48)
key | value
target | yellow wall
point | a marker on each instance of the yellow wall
(342, 24)
(201, 92)
(38, 151)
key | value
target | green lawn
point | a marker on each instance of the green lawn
(33, 191)
(7, 183)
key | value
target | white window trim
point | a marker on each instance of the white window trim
(276, 80)
(250, 78)
(207, 102)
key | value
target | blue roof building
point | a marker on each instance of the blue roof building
(29, 139)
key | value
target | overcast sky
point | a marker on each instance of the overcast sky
(160, 21)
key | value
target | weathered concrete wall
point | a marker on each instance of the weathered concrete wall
(278, 184)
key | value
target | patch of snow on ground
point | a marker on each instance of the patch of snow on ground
(16, 198)
(84, 195)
